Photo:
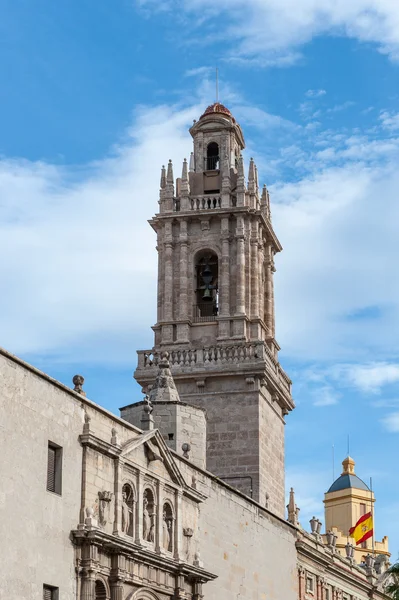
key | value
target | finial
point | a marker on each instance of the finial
(147, 420)
(293, 510)
(240, 167)
(184, 173)
(78, 381)
(164, 388)
(163, 177)
(265, 203)
(349, 466)
(169, 177)
(186, 449)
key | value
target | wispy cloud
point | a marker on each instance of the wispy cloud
(391, 422)
(315, 93)
(325, 396)
(272, 31)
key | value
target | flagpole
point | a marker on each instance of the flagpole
(372, 514)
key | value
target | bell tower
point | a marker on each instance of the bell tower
(215, 308)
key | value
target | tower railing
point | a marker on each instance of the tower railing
(200, 358)
(211, 163)
(205, 311)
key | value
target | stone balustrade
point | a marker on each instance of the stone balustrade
(201, 358)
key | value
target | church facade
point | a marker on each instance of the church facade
(182, 497)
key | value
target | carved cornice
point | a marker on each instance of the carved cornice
(92, 441)
(139, 553)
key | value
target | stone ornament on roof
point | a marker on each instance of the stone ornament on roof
(164, 388)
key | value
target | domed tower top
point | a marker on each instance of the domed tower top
(218, 108)
(218, 141)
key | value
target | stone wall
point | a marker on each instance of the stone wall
(36, 524)
(252, 551)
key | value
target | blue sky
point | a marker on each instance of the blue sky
(96, 96)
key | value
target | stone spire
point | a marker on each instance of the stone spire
(240, 182)
(184, 186)
(163, 178)
(164, 389)
(265, 203)
(169, 177)
(293, 510)
(251, 177)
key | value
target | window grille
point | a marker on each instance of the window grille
(54, 468)
(50, 592)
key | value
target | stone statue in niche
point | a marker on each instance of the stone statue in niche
(166, 525)
(151, 533)
(126, 513)
(105, 498)
(146, 520)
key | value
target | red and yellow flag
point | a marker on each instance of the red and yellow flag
(363, 530)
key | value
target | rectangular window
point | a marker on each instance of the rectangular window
(363, 509)
(309, 585)
(50, 592)
(54, 468)
(327, 594)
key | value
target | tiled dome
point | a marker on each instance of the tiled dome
(217, 108)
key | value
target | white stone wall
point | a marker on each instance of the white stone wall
(35, 523)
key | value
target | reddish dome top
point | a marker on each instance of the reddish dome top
(217, 108)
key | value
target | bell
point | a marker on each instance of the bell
(207, 294)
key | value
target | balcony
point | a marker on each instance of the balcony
(212, 163)
(206, 311)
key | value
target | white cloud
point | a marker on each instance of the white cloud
(79, 262)
(390, 120)
(315, 93)
(391, 422)
(325, 396)
(270, 31)
(372, 377)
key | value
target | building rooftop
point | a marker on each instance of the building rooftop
(348, 478)
(219, 109)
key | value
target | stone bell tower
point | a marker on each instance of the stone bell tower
(216, 248)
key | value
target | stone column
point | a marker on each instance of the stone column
(118, 495)
(168, 282)
(139, 509)
(301, 583)
(183, 299)
(261, 282)
(158, 518)
(254, 274)
(273, 321)
(224, 273)
(268, 293)
(160, 281)
(88, 590)
(177, 546)
(240, 275)
(117, 590)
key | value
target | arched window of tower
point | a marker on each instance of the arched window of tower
(206, 305)
(212, 157)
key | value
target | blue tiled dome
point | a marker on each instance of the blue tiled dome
(346, 481)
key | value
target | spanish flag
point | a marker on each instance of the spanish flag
(363, 530)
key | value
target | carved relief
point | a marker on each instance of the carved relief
(104, 498)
